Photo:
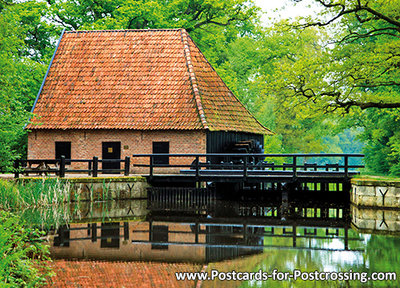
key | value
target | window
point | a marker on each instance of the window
(158, 148)
(63, 148)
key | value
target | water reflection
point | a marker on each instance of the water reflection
(376, 221)
(279, 234)
(214, 231)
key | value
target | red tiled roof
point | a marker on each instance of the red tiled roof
(119, 274)
(136, 79)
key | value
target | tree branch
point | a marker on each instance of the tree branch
(358, 8)
(376, 32)
(365, 105)
(381, 16)
(227, 23)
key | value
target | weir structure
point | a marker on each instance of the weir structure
(276, 172)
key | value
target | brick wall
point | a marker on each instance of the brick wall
(88, 143)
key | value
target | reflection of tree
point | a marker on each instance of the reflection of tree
(380, 255)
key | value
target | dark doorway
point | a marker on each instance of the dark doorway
(161, 148)
(111, 150)
(63, 148)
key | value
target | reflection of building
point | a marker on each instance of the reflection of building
(113, 241)
(155, 240)
(215, 231)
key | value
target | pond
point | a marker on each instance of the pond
(253, 235)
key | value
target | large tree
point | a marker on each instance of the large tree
(21, 71)
(362, 56)
(356, 74)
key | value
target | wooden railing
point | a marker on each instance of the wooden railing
(249, 163)
(239, 164)
(60, 166)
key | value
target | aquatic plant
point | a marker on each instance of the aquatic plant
(33, 194)
(41, 203)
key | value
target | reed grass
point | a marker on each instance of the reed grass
(33, 194)
(27, 210)
(44, 203)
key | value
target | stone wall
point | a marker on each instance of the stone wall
(117, 188)
(370, 193)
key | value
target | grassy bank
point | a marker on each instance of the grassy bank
(41, 203)
(25, 207)
(377, 177)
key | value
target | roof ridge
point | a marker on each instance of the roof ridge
(230, 91)
(192, 77)
(124, 30)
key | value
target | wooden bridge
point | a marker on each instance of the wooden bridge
(252, 168)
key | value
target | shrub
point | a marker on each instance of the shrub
(23, 254)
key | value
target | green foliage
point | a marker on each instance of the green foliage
(381, 135)
(353, 73)
(358, 65)
(275, 57)
(22, 48)
(314, 83)
(33, 194)
(140, 14)
(23, 254)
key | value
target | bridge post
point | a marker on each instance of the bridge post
(245, 173)
(62, 166)
(245, 236)
(126, 231)
(346, 238)
(346, 166)
(197, 167)
(294, 166)
(95, 166)
(284, 203)
(294, 235)
(196, 227)
(151, 166)
(150, 230)
(127, 165)
(94, 232)
(16, 168)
